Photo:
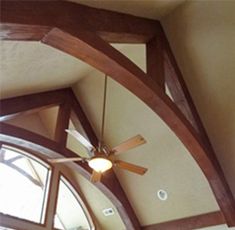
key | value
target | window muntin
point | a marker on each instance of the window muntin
(69, 212)
(24, 182)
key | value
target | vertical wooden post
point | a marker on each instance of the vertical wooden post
(62, 123)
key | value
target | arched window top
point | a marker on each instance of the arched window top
(69, 212)
(25, 194)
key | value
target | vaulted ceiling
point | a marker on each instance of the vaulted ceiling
(201, 36)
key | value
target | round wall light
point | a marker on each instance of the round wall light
(162, 195)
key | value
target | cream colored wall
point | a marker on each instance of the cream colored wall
(170, 165)
(30, 122)
(31, 67)
(49, 118)
(97, 202)
(202, 35)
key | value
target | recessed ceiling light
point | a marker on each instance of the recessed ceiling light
(162, 195)
(108, 212)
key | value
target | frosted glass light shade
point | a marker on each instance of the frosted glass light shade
(100, 164)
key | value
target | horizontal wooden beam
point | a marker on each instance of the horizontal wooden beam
(27, 104)
(194, 222)
(24, 113)
(72, 17)
(19, 224)
(18, 32)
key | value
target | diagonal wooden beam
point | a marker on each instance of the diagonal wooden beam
(79, 117)
(27, 104)
(194, 222)
(109, 185)
(109, 178)
(182, 98)
(179, 91)
(155, 61)
(71, 17)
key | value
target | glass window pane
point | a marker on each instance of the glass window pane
(69, 212)
(23, 184)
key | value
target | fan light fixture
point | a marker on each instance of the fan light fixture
(100, 164)
(103, 158)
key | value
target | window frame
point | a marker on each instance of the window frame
(50, 203)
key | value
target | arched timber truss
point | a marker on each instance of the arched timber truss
(84, 32)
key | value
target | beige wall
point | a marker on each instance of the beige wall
(202, 35)
(30, 122)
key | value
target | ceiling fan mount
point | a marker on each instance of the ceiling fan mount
(102, 158)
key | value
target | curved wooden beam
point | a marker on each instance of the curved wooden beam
(81, 41)
(98, 53)
(109, 185)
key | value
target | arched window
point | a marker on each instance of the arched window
(25, 183)
(69, 212)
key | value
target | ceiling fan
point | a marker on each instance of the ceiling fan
(102, 158)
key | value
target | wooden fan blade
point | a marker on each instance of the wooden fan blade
(62, 160)
(130, 167)
(96, 176)
(129, 144)
(81, 139)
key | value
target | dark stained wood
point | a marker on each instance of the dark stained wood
(22, 32)
(79, 117)
(96, 52)
(29, 103)
(24, 113)
(81, 41)
(62, 123)
(155, 61)
(177, 87)
(19, 224)
(194, 222)
(109, 178)
(181, 95)
(109, 185)
(184, 101)
(71, 17)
